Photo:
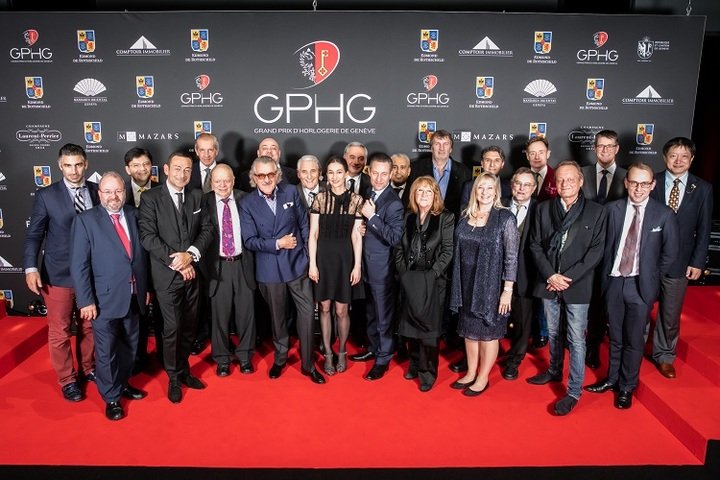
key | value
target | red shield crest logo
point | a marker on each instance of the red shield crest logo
(599, 38)
(202, 82)
(429, 82)
(317, 60)
(31, 36)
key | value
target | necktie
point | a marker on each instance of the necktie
(228, 239)
(310, 198)
(139, 194)
(351, 185)
(602, 187)
(121, 233)
(519, 211)
(206, 184)
(538, 182)
(79, 200)
(180, 203)
(628, 254)
(674, 200)
(398, 190)
(373, 195)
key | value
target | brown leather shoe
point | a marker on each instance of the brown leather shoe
(667, 370)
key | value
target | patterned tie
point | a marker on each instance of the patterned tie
(79, 200)
(139, 195)
(206, 184)
(674, 200)
(121, 233)
(602, 187)
(311, 198)
(627, 259)
(228, 239)
(351, 185)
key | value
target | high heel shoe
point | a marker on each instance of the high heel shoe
(341, 362)
(468, 392)
(329, 367)
(460, 386)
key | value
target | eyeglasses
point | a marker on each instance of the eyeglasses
(642, 185)
(263, 176)
(140, 165)
(606, 147)
(112, 192)
(523, 185)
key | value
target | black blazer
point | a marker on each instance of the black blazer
(160, 232)
(459, 174)
(525, 281)
(582, 252)
(617, 186)
(301, 192)
(658, 245)
(438, 240)
(210, 261)
(694, 222)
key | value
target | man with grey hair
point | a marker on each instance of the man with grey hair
(309, 173)
(357, 181)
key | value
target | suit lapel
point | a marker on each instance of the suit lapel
(688, 194)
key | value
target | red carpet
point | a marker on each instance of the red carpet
(253, 422)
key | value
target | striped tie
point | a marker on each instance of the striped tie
(79, 200)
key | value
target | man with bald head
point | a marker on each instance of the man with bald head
(230, 278)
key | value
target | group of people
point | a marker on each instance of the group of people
(422, 248)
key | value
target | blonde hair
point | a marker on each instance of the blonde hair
(472, 207)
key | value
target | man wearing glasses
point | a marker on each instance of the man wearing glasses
(274, 225)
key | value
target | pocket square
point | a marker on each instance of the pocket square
(197, 211)
(288, 205)
(656, 229)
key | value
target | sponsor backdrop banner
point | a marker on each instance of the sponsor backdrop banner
(317, 80)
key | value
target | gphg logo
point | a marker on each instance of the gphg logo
(269, 108)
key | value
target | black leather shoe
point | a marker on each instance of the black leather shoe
(223, 370)
(192, 382)
(600, 387)
(132, 393)
(247, 368)
(197, 347)
(543, 378)
(376, 372)
(363, 357)
(275, 371)
(72, 392)
(174, 392)
(460, 366)
(410, 375)
(114, 411)
(90, 377)
(510, 372)
(425, 387)
(540, 342)
(315, 376)
(469, 392)
(623, 400)
(460, 386)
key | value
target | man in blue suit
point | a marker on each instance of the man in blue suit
(641, 243)
(53, 211)
(109, 272)
(692, 200)
(383, 212)
(274, 225)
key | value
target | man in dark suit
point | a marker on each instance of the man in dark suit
(399, 179)
(383, 212)
(691, 198)
(567, 243)
(603, 182)
(269, 147)
(537, 151)
(641, 243)
(109, 272)
(355, 154)
(451, 175)
(492, 160)
(229, 270)
(522, 205)
(54, 209)
(206, 149)
(274, 224)
(175, 233)
(309, 172)
(138, 164)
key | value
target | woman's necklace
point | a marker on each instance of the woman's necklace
(480, 219)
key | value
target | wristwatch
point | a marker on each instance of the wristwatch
(195, 258)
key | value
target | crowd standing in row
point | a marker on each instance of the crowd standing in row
(424, 248)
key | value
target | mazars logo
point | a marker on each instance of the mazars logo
(28, 54)
(317, 61)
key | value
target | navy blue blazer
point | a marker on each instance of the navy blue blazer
(261, 229)
(384, 231)
(101, 269)
(658, 245)
(50, 223)
(694, 222)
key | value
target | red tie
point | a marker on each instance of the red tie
(121, 233)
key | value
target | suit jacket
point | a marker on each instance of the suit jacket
(505, 192)
(548, 188)
(261, 229)
(160, 230)
(301, 192)
(101, 269)
(383, 232)
(364, 185)
(50, 225)
(525, 281)
(129, 196)
(590, 187)
(658, 245)
(210, 261)
(438, 241)
(581, 253)
(459, 174)
(694, 222)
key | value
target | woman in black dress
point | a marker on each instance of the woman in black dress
(422, 258)
(335, 248)
(485, 267)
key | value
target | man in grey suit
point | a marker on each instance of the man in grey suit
(691, 198)
(641, 243)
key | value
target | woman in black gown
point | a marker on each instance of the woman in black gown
(335, 248)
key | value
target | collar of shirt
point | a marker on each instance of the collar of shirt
(379, 192)
(542, 172)
(599, 168)
(211, 166)
(516, 204)
(273, 194)
(73, 187)
(315, 190)
(670, 179)
(642, 204)
(219, 199)
(447, 169)
(401, 186)
(110, 214)
(172, 190)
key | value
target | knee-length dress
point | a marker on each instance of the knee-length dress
(484, 258)
(334, 257)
